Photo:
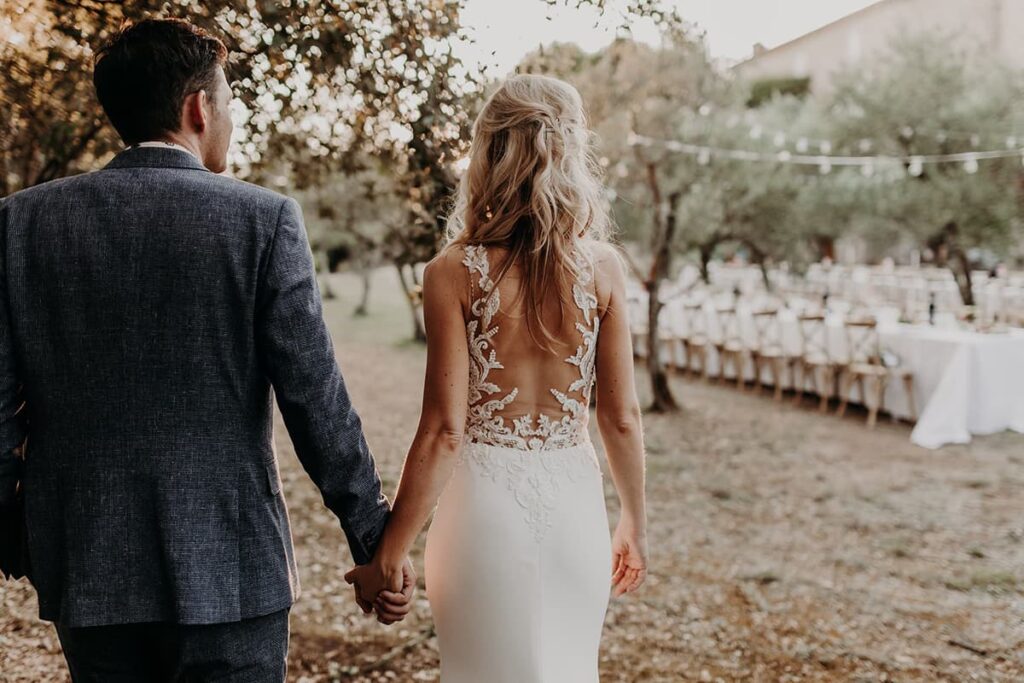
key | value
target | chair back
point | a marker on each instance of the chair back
(728, 325)
(813, 335)
(862, 343)
(768, 329)
(696, 321)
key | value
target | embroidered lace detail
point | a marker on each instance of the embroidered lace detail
(533, 456)
(485, 424)
(534, 479)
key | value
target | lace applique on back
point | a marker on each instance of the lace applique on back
(485, 422)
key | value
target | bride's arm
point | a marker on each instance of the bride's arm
(618, 418)
(435, 449)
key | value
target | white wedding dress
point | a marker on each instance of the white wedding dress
(518, 556)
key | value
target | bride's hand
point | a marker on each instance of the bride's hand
(372, 578)
(629, 558)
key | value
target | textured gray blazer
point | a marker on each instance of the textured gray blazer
(147, 309)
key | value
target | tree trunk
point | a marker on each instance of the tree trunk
(949, 253)
(324, 272)
(364, 298)
(418, 332)
(764, 275)
(705, 260)
(961, 267)
(663, 234)
(662, 400)
(826, 246)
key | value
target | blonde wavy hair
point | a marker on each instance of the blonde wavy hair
(532, 186)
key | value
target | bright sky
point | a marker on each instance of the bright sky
(511, 28)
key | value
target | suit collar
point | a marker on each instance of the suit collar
(155, 157)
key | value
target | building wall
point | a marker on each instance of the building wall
(993, 27)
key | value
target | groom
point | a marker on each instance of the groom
(146, 312)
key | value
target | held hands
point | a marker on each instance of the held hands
(386, 589)
(629, 558)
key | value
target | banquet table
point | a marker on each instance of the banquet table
(969, 382)
(964, 382)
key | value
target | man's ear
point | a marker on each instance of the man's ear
(195, 116)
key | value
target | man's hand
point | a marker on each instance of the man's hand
(386, 589)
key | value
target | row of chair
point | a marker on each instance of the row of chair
(807, 359)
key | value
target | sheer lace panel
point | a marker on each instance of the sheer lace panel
(504, 416)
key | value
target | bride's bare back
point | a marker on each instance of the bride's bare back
(518, 393)
(521, 394)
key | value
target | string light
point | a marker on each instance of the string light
(825, 161)
(803, 143)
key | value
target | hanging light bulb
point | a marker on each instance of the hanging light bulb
(907, 131)
(704, 109)
(971, 165)
(801, 145)
(784, 156)
(868, 169)
(916, 167)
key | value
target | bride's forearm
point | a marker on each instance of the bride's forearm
(428, 466)
(624, 446)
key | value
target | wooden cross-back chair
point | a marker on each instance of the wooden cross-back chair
(770, 352)
(729, 344)
(814, 362)
(696, 341)
(864, 363)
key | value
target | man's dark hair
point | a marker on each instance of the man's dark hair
(144, 74)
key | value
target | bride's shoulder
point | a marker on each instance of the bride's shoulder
(609, 271)
(450, 259)
(448, 267)
(607, 259)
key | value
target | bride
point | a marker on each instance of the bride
(524, 309)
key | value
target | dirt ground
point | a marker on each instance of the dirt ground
(786, 545)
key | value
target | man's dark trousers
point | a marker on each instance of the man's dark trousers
(248, 651)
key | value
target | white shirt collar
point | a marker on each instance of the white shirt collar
(165, 144)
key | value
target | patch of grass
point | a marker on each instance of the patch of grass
(763, 577)
(388, 321)
(720, 494)
(992, 581)
(897, 546)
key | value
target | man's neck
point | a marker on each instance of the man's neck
(180, 141)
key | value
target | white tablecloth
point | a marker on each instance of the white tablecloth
(967, 383)
(964, 382)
